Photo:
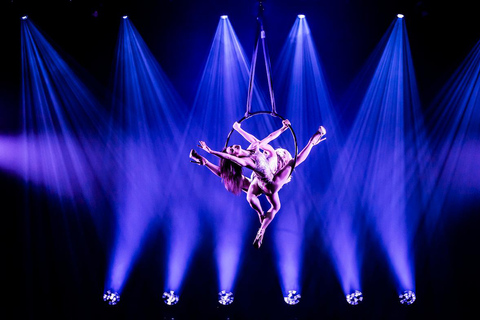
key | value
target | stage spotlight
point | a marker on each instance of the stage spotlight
(301, 16)
(225, 297)
(170, 298)
(125, 17)
(24, 17)
(354, 298)
(407, 297)
(111, 297)
(292, 298)
(400, 16)
(224, 17)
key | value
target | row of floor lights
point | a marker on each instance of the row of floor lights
(292, 298)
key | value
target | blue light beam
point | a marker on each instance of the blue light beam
(388, 134)
(304, 93)
(220, 101)
(149, 113)
(454, 125)
(64, 126)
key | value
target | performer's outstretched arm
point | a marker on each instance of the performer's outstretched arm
(274, 135)
(248, 136)
(252, 139)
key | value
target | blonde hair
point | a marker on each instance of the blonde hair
(283, 157)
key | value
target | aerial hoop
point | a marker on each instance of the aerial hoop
(272, 114)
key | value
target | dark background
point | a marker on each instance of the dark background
(56, 263)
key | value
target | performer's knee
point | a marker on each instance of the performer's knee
(273, 210)
(277, 207)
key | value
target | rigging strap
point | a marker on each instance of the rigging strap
(260, 40)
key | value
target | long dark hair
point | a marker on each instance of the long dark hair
(231, 174)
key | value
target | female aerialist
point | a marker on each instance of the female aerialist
(271, 169)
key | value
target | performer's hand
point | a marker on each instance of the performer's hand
(204, 146)
(236, 126)
(286, 123)
(322, 130)
(318, 136)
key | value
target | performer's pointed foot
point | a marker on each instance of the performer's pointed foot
(257, 243)
(196, 158)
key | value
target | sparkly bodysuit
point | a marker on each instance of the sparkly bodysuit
(263, 171)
